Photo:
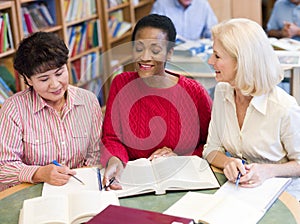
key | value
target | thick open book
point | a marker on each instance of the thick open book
(167, 173)
(73, 208)
(143, 176)
(230, 204)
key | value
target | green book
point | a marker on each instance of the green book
(8, 78)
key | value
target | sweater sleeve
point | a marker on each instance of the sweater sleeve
(204, 106)
(111, 143)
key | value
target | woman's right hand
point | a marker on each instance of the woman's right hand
(113, 169)
(232, 167)
(52, 174)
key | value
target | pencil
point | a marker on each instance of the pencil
(76, 178)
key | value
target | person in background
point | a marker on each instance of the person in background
(285, 20)
(152, 112)
(193, 19)
(252, 118)
(50, 120)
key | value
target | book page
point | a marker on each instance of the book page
(87, 175)
(52, 209)
(262, 196)
(184, 172)
(138, 172)
(209, 208)
(84, 205)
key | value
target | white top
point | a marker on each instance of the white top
(270, 132)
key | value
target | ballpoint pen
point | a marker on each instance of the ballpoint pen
(239, 176)
(58, 164)
(111, 180)
(99, 179)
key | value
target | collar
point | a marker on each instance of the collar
(177, 4)
(73, 99)
(258, 102)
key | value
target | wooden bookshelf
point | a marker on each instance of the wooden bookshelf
(9, 38)
(118, 55)
(132, 10)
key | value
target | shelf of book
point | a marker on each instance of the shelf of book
(8, 42)
(89, 20)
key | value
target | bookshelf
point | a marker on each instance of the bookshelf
(69, 20)
(118, 55)
(9, 39)
(79, 24)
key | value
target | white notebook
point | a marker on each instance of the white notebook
(218, 208)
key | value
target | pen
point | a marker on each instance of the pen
(99, 179)
(58, 164)
(239, 176)
(111, 180)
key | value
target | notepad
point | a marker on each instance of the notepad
(87, 175)
(230, 205)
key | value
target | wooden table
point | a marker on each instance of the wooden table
(284, 210)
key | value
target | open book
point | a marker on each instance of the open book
(229, 204)
(143, 176)
(166, 173)
(73, 208)
(287, 44)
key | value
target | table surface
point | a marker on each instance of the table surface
(284, 210)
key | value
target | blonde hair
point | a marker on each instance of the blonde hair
(258, 68)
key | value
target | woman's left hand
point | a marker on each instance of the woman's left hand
(165, 151)
(255, 176)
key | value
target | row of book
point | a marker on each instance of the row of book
(7, 84)
(36, 17)
(114, 3)
(6, 39)
(78, 9)
(85, 73)
(117, 25)
(84, 36)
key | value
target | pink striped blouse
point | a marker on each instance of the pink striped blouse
(33, 134)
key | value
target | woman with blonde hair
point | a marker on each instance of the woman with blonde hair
(253, 119)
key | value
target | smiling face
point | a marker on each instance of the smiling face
(150, 52)
(224, 65)
(51, 85)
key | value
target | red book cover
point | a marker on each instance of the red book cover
(119, 214)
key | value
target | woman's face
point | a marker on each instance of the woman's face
(51, 85)
(150, 52)
(224, 65)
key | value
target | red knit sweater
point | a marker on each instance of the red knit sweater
(140, 119)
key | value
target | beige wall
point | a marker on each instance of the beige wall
(226, 9)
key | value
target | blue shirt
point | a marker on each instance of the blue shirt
(283, 11)
(192, 23)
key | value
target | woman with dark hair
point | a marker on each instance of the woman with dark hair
(152, 112)
(50, 120)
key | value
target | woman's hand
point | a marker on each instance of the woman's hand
(165, 151)
(232, 168)
(256, 175)
(113, 169)
(54, 175)
(253, 174)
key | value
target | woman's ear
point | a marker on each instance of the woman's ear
(28, 80)
(170, 53)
